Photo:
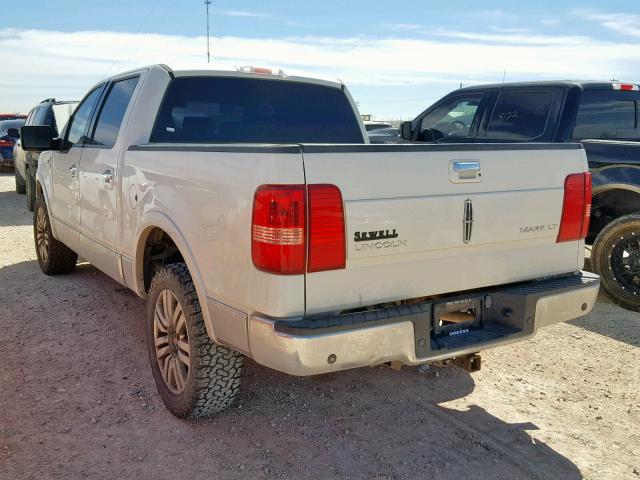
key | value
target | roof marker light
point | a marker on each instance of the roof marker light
(260, 70)
(626, 87)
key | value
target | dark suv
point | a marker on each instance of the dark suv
(48, 112)
(604, 117)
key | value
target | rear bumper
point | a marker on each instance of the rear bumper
(328, 343)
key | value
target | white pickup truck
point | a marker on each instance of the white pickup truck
(249, 210)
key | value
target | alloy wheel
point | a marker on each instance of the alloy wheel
(42, 235)
(171, 339)
(624, 262)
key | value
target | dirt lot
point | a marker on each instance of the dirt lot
(77, 399)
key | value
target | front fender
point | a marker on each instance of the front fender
(43, 183)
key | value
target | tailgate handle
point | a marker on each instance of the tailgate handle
(465, 171)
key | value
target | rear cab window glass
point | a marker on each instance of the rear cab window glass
(5, 125)
(607, 114)
(112, 112)
(245, 110)
(520, 115)
(452, 119)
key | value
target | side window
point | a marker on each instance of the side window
(520, 116)
(607, 115)
(39, 116)
(29, 120)
(112, 112)
(453, 118)
(80, 120)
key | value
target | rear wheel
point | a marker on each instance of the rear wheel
(54, 257)
(20, 186)
(195, 377)
(616, 258)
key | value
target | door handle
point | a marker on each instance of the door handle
(73, 170)
(465, 171)
(107, 178)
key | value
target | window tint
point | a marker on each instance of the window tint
(82, 116)
(239, 110)
(607, 114)
(453, 118)
(112, 112)
(520, 116)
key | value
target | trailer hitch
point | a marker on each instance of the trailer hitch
(470, 363)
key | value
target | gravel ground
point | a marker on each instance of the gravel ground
(77, 399)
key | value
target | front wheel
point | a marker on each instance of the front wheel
(20, 186)
(54, 257)
(195, 377)
(616, 258)
(30, 189)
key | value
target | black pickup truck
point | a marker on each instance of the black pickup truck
(603, 116)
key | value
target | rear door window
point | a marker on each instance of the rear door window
(112, 112)
(605, 114)
(520, 115)
(246, 110)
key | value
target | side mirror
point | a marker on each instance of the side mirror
(36, 138)
(13, 132)
(405, 130)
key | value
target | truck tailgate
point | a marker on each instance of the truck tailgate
(424, 220)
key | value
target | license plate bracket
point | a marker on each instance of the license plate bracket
(457, 317)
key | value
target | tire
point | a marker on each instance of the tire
(54, 257)
(197, 380)
(20, 185)
(30, 190)
(616, 258)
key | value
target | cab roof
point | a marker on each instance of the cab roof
(584, 84)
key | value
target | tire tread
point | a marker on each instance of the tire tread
(217, 373)
(600, 260)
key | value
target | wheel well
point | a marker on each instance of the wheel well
(609, 205)
(159, 250)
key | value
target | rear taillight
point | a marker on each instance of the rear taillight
(278, 229)
(287, 242)
(6, 143)
(326, 228)
(576, 208)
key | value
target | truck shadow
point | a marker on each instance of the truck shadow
(83, 334)
(379, 422)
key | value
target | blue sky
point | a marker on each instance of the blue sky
(396, 61)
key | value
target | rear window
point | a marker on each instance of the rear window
(7, 124)
(520, 116)
(239, 110)
(607, 114)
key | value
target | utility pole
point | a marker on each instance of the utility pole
(207, 3)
